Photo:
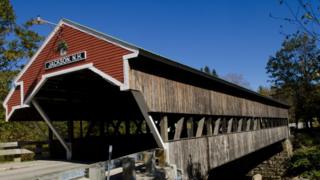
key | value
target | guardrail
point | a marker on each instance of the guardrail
(125, 167)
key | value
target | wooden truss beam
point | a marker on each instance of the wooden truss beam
(216, 127)
(178, 131)
(55, 132)
(200, 128)
(144, 110)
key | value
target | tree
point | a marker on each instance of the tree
(304, 14)
(237, 79)
(294, 70)
(16, 41)
(207, 70)
(266, 91)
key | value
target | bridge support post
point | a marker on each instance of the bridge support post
(216, 127)
(164, 128)
(248, 124)
(200, 128)
(239, 125)
(255, 124)
(209, 126)
(97, 172)
(229, 130)
(178, 131)
(47, 120)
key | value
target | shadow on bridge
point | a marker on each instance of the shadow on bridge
(240, 168)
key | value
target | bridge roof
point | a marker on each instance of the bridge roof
(24, 90)
(168, 61)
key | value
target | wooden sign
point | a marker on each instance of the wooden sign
(65, 60)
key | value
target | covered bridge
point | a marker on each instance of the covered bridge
(80, 75)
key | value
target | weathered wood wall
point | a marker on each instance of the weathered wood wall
(168, 96)
(212, 151)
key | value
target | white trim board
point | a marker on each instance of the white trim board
(45, 77)
(89, 31)
(126, 69)
(38, 51)
(65, 22)
(15, 81)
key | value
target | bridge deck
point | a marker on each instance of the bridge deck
(34, 169)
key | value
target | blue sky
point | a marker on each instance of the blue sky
(231, 36)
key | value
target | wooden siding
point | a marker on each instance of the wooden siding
(165, 95)
(213, 151)
(105, 56)
(15, 99)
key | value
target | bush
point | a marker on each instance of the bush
(306, 162)
(305, 138)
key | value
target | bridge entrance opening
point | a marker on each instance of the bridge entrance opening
(89, 114)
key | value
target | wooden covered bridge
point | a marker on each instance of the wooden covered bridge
(81, 76)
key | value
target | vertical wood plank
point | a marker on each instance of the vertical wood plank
(173, 96)
(178, 131)
(164, 128)
(216, 127)
(248, 124)
(213, 151)
(209, 126)
(200, 127)
(255, 124)
(240, 125)
(230, 121)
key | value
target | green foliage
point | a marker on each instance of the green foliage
(294, 72)
(306, 162)
(16, 41)
(265, 91)
(5, 79)
(16, 131)
(296, 63)
(207, 70)
(305, 139)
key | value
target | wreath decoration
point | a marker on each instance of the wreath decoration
(62, 47)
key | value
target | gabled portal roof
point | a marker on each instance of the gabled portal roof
(112, 66)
